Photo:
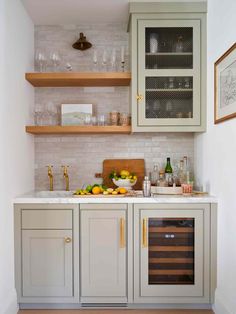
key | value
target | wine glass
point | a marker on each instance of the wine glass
(51, 113)
(41, 60)
(38, 114)
(122, 57)
(55, 60)
(95, 61)
(113, 60)
(104, 60)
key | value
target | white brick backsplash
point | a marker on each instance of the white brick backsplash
(85, 153)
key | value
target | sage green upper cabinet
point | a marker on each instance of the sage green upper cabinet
(168, 67)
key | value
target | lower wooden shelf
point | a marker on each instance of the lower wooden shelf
(58, 129)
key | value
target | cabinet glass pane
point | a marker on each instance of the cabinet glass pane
(169, 47)
(169, 97)
(171, 251)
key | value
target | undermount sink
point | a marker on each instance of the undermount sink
(54, 194)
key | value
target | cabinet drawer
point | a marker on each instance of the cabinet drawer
(46, 219)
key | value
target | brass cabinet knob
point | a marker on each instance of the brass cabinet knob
(139, 97)
(68, 240)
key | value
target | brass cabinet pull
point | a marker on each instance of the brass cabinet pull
(122, 233)
(139, 97)
(144, 233)
(68, 240)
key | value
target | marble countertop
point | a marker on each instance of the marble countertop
(63, 197)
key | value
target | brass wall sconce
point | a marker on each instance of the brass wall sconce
(82, 43)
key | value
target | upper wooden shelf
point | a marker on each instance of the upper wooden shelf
(72, 79)
(58, 129)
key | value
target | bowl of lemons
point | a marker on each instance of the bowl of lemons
(123, 179)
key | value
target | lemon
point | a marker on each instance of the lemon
(96, 190)
(124, 173)
(105, 193)
(123, 191)
(110, 190)
(135, 177)
(114, 193)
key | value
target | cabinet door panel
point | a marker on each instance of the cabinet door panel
(172, 253)
(47, 263)
(169, 72)
(103, 265)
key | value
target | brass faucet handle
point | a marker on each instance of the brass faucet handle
(65, 168)
(49, 168)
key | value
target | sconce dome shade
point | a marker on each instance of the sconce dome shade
(82, 43)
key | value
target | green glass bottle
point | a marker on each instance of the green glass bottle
(169, 172)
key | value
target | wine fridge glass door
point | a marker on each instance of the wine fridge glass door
(171, 253)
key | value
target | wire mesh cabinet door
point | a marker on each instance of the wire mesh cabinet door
(169, 63)
(171, 253)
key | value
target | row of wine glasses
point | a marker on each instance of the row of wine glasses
(105, 61)
(44, 61)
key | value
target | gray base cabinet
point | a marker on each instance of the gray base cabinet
(103, 252)
(47, 263)
(46, 253)
(71, 256)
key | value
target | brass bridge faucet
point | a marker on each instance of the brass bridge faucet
(50, 176)
(66, 176)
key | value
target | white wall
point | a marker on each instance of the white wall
(16, 148)
(215, 156)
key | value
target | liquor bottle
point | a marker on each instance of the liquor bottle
(181, 176)
(169, 172)
(186, 173)
(154, 175)
(161, 182)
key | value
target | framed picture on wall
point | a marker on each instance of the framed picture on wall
(225, 86)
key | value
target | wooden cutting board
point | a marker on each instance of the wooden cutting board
(136, 166)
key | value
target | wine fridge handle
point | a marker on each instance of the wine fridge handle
(144, 233)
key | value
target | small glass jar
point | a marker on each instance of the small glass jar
(87, 120)
(179, 44)
(101, 120)
(153, 43)
(124, 119)
(171, 84)
(114, 118)
(94, 120)
(186, 82)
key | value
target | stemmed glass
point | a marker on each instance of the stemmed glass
(55, 60)
(38, 114)
(122, 59)
(95, 61)
(104, 60)
(113, 60)
(51, 114)
(41, 60)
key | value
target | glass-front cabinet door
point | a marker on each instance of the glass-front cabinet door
(168, 72)
(171, 251)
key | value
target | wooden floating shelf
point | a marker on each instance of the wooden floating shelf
(73, 79)
(58, 129)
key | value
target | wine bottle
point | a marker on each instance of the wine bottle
(169, 172)
(186, 170)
